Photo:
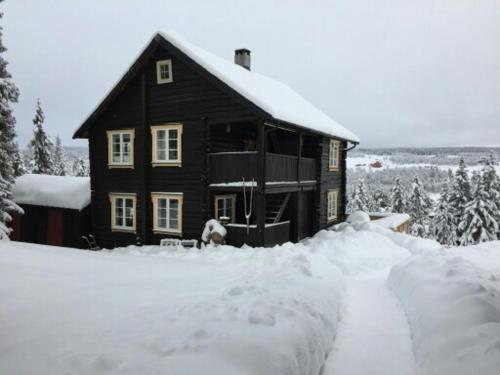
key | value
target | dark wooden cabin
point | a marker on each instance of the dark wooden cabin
(56, 210)
(183, 134)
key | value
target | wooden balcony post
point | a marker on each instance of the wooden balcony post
(261, 182)
(299, 154)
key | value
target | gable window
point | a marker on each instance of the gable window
(167, 212)
(333, 155)
(332, 205)
(121, 148)
(225, 206)
(164, 71)
(167, 145)
(123, 211)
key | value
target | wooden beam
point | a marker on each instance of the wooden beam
(261, 182)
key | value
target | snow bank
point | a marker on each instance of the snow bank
(52, 191)
(415, 245)
(453, 307)
(355, 252)
(222, 310)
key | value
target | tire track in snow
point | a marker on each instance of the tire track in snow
(373, 336)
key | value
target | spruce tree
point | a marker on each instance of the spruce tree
(492, 182)
(58, 159)
(17, 161)
(8, 94)
(80, 168)
(398, 201)
(419, 205)
(459, 195)
(442, 226)
(360, 197)
(479, 223)
(41, 146)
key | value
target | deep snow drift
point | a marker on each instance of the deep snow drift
(453, 305)
(224, 310)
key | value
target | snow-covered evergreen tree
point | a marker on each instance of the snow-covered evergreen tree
(80, 168)
(442, 226)
(8, 94)
(419, 205)
(58, 159)
(492, 182)
(17, 161)
(379, 200)
(360, 200)
(479, 222)
(41, 146)
(398, 200)
(459, 195)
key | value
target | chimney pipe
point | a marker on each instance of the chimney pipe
(242, 57)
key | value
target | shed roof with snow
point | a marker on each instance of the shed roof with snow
(275, 99)
(52, 191)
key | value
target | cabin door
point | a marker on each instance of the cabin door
(55, 227)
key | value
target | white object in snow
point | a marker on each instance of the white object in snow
(358, 217)
(52, 191)
(212, 227)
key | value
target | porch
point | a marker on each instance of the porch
(279, 166)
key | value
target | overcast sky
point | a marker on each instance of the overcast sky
(397, 73)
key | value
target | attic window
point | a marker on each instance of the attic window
(164, 71)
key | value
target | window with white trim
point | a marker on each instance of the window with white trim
(167, 145)
(225, 206)
(122, 211)
(164, 71)
(333, 155)
(121, 148)
(332, 205)
(167, 212)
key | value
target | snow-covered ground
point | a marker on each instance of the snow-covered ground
(321, 306)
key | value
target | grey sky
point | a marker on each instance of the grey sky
(397, 73)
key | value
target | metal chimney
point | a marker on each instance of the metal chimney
(242, 57)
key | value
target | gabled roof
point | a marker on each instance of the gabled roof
(272, 97)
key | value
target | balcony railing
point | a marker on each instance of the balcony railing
(228, 167)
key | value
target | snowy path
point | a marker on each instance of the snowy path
(373, 335)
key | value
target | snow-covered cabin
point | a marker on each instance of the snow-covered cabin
(56, 209)
(185, 136)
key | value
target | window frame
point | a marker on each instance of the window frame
(113, 197)
(110, 134)
(332, 195)
(170, 196)
(159, 64)
(232, 197)
(154, 145)
(332, 152)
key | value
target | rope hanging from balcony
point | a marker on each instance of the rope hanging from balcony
(248, 213)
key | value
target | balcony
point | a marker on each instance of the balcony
(230, 167)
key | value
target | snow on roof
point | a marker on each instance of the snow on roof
(52, 191)
(272, 96)
(390, 220)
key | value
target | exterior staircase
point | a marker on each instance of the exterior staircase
(275, 207)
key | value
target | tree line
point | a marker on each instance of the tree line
(467, 211)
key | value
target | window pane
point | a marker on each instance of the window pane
(129, 222)
(160, 155)
(174, 224)
(164, 71)
(172, 155)
(172, 134)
